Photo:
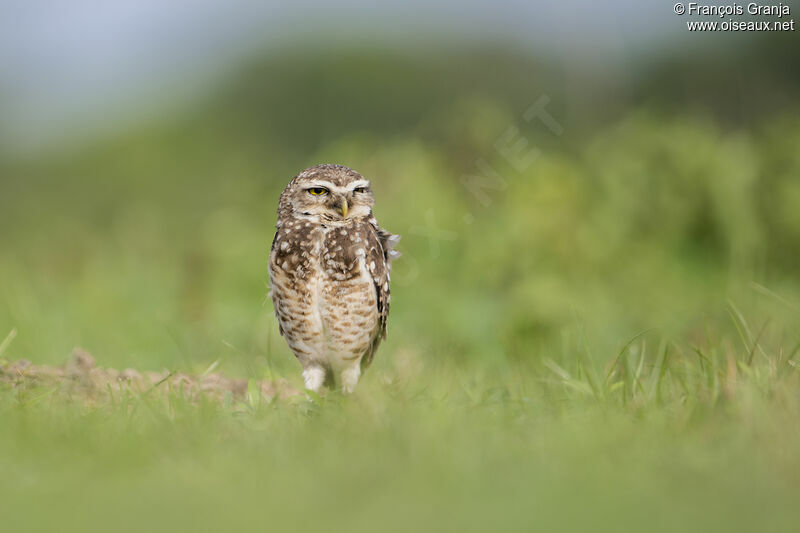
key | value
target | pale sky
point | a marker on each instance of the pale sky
(62, 62)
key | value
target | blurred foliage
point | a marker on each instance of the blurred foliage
(149, 248)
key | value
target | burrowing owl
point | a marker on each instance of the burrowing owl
(329, 274)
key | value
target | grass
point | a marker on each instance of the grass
(664, 437)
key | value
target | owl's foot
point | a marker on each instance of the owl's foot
(314, 376)
(349, 377)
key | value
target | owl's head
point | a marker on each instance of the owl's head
(327, 194)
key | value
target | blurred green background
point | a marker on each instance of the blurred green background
(649, 210)
(662, 195)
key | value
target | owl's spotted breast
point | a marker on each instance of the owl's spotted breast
(330, 282)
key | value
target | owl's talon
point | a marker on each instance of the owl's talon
(350, 377)
(314, 377)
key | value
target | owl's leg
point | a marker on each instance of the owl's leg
(349, 377)
(314, 376)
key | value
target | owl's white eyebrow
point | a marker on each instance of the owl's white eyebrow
(324, 184)
(331, 187)
(359, 183)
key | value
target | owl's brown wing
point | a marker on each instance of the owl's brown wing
(388, 242)
(380, 253)
(288, 265)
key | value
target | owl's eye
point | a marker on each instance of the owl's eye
(317, 191)
(360, 189)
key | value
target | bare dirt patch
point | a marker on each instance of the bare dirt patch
(81, 376)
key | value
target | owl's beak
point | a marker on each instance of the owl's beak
(344, 207)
